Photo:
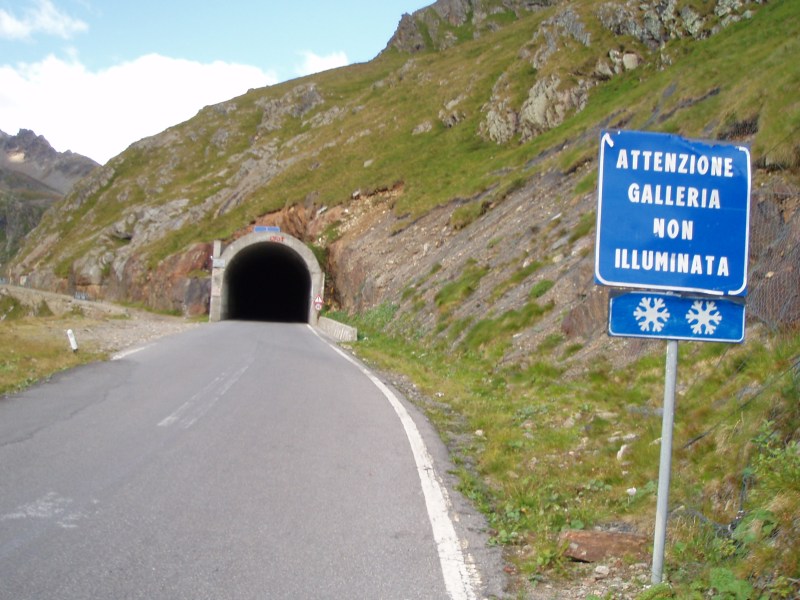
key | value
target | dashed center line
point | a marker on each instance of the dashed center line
(188, 413)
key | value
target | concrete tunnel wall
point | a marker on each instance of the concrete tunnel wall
(265, 276)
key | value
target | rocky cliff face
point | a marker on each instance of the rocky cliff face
(652, 23)
(33, 176)
(437, 26)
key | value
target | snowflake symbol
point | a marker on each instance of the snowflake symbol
(651, 312)
(704, 316)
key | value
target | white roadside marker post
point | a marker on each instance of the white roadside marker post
(73, 343)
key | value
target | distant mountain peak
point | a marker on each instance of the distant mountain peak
(27, 145)
(32, 155)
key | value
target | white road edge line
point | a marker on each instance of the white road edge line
(124, 353)
(459, 577)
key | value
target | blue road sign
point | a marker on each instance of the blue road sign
(673, 214)
(266, 229)
(672, 317)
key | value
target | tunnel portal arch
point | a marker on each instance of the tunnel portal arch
(265, 276)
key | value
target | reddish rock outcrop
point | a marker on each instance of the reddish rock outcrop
(597, 546)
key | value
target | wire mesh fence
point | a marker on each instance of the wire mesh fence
(774, 297)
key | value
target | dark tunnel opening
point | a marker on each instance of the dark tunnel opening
(268, 282)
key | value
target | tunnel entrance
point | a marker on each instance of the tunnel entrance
(265, 277)
(268, 282)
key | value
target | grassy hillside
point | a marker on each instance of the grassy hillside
(23, 200)
(418, 119)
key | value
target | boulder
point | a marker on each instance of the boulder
(597, 546)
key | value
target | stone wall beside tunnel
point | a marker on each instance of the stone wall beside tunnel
(265, 276)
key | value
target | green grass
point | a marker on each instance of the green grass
(540, 288)
(520, 275)
(584, 226)
(35, 346)
(490, 337)
(11, 309)
(455, 292)
(468, 214)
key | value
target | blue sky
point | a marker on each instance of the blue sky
(94, 76)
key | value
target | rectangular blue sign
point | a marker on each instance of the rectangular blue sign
(672, 317)
(673, 214)
(266, 229)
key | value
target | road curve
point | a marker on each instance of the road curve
(236, 460)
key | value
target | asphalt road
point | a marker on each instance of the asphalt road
(236, 460)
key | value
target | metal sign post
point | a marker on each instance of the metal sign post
(665, 465)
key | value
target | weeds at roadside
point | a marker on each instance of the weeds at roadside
(33, 348)
(539, 454)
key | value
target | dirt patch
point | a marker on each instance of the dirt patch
(116, 335)
(101, 326)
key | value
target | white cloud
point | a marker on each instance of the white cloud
(41, 17)
(99, 114)
(313, 63)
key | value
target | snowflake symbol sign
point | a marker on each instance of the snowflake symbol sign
(704, 317)
(651, 313)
